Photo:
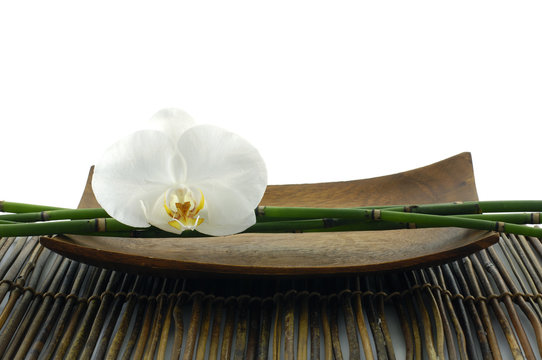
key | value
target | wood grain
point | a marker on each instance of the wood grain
(304, 253)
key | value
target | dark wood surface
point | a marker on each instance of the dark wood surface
(305, 253)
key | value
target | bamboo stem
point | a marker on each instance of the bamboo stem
(241, 335)
(360, 320)
(124, 322)
(254, 329)
(535, 322)
(501, 316)
(488, 326)
(265, 329)
(523, 339)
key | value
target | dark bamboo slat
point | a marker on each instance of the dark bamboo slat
(475, 317)
(218, 307)
(354, 350)
(378, 336)
(124, 321)
(265, 329)
(360, 322)
(499, 313)
(116, 309)
(464, 318)
(527, 310)
(446, 327)
(512, 313)
(44, 332)
(34, 305)
(254, 328)
(488, 326)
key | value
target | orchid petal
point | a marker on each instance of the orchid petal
(135, 171)
(228, 170)
(172, 122)
(227, 228)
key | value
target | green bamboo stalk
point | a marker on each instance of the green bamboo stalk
(63, 227)
(71, 214)
(15, 207)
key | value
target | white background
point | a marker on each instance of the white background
(326, 90)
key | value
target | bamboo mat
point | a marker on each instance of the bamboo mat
(485, 306)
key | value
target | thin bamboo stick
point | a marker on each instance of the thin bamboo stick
(99, 319)
(450, 344)
(535, 322)
(164, 336)
(314, 317)
(535, 242)
(378, 336)
(91, 310)
(17, 311)
(360, 321)
(6, 244)
(334, 327)
(120, 334)
(179, 323)
(510, 248)
(383, 322)
(426, 322)
(26, 271)
(150, 310)
(303, 327)
(22, 318)
(157, 323)
(403, 318)
(462, 312)
(460, 335)
(59, 301)
(326, 329)
(95, 276)
(535, 268)
(523, 256)
(350, 324)
(415, 327)
(37, 320)
(205, 327)
(241, 333)
(289, 326)
(499, 313)
(14, 262)
(254, 328)
(437, 316)
(482, 306)
(66, 313)
(523, 339)
(227, 336)
(265, 329)
(481, 332)
(116, 307)
(218, 309)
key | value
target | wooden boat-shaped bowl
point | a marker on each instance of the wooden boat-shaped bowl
(302, 254)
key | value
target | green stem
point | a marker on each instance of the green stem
(471, 207)
(15, 207)
(63, 227)
(428, 220)
(67, 214)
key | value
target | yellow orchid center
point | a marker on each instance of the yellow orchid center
(183, 208)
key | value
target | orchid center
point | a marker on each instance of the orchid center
(183, 208)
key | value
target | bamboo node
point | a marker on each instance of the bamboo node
(376, 214)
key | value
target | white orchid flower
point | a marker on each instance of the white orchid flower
(181, 176)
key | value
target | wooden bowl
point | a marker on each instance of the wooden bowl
(302, 254)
